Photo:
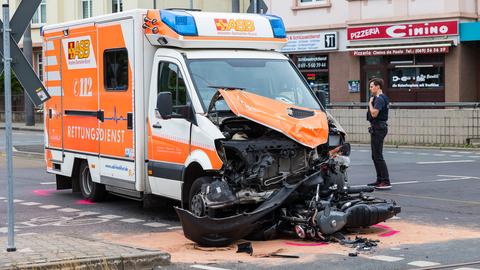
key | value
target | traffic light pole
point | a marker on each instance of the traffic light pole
(8, 122)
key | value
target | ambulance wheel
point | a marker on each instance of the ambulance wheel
(91, 191)
(196, 204)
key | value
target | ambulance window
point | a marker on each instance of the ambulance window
(115, 71)
(170, 79)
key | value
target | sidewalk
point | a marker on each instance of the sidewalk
(41, 252)
(21, 126)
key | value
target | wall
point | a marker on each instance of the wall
(342, 68)
(415, 127)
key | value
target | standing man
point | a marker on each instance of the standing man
(377, 115)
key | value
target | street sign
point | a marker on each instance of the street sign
(23, 70)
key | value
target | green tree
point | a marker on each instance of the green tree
(17, 88)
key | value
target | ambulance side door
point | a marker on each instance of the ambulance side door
(168, 139)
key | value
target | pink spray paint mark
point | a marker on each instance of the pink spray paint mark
(84, 202)
(305, 244)
(390, 232)
(43, 192)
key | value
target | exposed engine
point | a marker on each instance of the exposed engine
(271, 184)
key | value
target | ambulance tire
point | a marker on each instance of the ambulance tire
(91, 191)
(194, 201)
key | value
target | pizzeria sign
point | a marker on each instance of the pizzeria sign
(402, 31)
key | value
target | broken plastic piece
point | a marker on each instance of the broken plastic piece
(245, 247)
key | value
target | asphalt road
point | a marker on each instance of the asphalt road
(435, 188)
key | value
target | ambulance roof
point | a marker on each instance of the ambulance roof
(195, 29)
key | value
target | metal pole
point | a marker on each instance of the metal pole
(8, 123)
(191, 4)
(154, 4)
(27, 51)
(255, 6)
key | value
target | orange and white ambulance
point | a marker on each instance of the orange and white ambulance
(194, 106)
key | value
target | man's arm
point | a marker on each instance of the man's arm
(373, 111)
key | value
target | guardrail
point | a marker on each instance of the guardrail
(417, 105)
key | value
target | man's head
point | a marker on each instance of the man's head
(376, 85)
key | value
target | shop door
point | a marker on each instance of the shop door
(367, 76)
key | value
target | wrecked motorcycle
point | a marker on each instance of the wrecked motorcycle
(285, 170)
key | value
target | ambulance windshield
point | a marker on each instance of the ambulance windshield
(275, 79)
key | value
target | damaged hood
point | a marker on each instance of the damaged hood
(305, 126)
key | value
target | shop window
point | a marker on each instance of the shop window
(419, 77)
(116, 69)
(373, 60)
(170, 79)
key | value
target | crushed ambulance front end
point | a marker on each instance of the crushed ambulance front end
(285, 159)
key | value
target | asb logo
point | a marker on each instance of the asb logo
(79, 49)
(238, 25)
(79, 53)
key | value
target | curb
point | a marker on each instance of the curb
(30, 155)
(24, 128)
(421, 147)
(144, 261)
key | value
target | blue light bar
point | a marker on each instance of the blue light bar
(277, 26)
(180, 21)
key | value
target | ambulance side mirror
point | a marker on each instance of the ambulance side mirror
(164, 105)
(322, 97)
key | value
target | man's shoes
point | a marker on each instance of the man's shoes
(383, 186)
(373, 184)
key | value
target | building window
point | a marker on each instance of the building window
(40, 66)
(314, 67)
(307, 4)
(86, 8)
(117, 6)
(115, 69)
(40, 16)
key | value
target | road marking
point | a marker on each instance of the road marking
(445, 151)
(423, 263)
(464, 152)
(132, 220)
(407, 153)
(406, 182)
(175, 228)
(155, 224)
(363, 151)
(87, 213)
(457, 176)
(30, 203)
(48, 183)
(2, 198)
(439, 155)
(456, 155)
(110, 216)
(434, 198)
(474, 156)
(386, 258)
(206, 267)
(466, 268)
(68, 210)
(49, 206)
(27, 234)
(18, 201)
(5, 230)
(392, 152)
(423, 154)
(446, 161)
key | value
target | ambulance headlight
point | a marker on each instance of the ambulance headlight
(179, 21)
(277, 26)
